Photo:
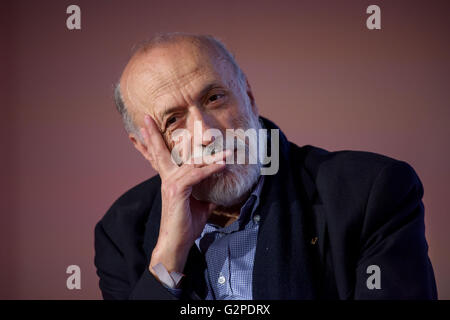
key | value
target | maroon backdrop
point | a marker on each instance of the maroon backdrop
(315, 69)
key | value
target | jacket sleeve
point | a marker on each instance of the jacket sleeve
(117, 282)
(393, 261)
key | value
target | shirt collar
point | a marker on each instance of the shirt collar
(257, 193)
(246, 213)
(248, 209)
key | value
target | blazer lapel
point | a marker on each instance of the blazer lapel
(285, 260)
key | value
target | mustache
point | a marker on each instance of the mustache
(239, 146)
(217, 146)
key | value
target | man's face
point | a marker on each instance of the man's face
(179, 85)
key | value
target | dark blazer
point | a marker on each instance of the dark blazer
(325, 217)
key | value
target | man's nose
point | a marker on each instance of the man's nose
(201, 127)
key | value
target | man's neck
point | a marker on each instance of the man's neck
(224, 216)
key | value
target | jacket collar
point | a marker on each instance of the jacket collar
(283, 266)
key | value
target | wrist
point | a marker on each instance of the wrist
(172, 259)
(170, 280)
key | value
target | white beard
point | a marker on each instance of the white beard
(229, 186)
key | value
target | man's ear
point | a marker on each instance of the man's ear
(251, 97)
(141, 147)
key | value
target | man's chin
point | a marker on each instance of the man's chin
(204, 190)
(225, 188)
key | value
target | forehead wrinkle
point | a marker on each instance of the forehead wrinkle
(174, 82)
(129, 78)
(186, 89)
(188, 95)
(148, 72)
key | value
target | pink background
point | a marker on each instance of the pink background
(315, 69)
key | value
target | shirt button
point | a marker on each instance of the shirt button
(221, 280)
(256, 218)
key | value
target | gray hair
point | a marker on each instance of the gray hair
(162, 39)
(126, 116)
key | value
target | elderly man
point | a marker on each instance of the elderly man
(323, 225)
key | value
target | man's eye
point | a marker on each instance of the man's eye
(215, 97)
(171, 120)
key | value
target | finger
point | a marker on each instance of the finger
(156, 147)
(196, 175)
(209, 159)
(186, 168)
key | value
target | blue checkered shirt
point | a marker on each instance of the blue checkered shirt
(230, 253)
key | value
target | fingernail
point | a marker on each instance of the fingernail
(147, 119)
